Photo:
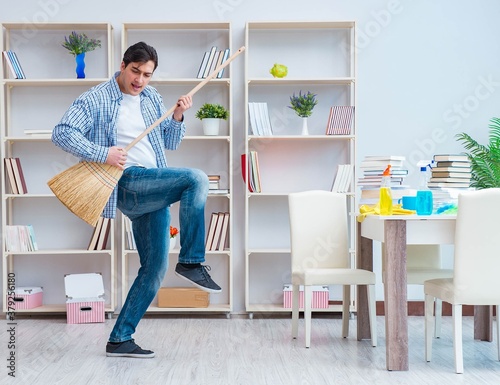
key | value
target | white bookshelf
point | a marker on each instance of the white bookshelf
(50, 85)
(180, 48)
(320, 58)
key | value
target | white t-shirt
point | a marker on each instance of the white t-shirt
(130, 125)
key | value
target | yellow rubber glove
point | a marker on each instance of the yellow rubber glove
(397, 209)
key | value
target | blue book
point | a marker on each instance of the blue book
(17, 65)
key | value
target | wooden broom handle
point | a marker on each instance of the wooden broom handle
(190, 93)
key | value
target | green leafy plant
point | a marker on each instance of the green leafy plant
(485, 159)
(77, 43)
(209, 110)
(303, 104)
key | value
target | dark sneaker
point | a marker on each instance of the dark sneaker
(127, 349)
(199, 277)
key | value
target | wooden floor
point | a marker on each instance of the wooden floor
(204, 350)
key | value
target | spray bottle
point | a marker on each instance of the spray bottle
(385, 201)
(424, 204)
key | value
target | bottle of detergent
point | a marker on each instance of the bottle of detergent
(385, 201)
(424, 204)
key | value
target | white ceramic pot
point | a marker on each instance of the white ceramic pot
(211, 126)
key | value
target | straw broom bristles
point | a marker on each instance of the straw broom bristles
(86, 200)
(86, 187)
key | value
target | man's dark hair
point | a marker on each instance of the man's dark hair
(140, 53)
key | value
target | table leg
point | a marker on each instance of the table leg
(483, 323)
(396, 313)
(364, 260)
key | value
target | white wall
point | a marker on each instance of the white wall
(426, 69)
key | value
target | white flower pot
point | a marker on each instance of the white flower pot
(211, 126)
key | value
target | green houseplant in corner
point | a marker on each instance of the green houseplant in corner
(77, 44)
(210, 115)
(485, 159)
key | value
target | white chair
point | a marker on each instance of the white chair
(476, 279)
(423, 262)
(320, 256)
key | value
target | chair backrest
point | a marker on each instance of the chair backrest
(318, 230)
(477, 254)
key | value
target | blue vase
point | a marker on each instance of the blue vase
(80, 66)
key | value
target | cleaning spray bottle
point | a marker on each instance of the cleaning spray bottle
(424, 204)
(385, 201)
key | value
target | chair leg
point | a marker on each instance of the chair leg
(346, 301)
(307, 313)
(295, 311)
(457, 338)
(429, 324)
(438, 317)
(372, 313)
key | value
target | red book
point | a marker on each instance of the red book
(244, 168)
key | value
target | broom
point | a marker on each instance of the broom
(86, 187)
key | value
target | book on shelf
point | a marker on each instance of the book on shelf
(225, 56)
(10, 64)
(451, 174)
(451, 158)
(449, 180)
(340, 120)
(218, 232)
(219, 191)
(203, 64)
(213, 182)
(129, 235)
(343, 178)
(255, 171)
(244, 164)
(451, 169)
(260, 121)
(211, 57)
(20, 238)
(16, 64)
(224, 233)
(37, 132)
(13, 166)
(452, 164)
(448, 184)
(10, 176)
(95, 234)
(211, 231)
(104, 234)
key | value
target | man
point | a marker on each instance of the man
(96, 128)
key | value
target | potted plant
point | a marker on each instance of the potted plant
(484, 159)
(303, 105)
(210, 115)
(78, 44)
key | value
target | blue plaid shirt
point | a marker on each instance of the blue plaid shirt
(88, 128)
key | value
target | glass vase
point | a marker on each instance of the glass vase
(80, 66)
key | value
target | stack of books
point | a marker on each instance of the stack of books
(214, 185)
(450, 175)
(252, 165)
(218, 230)
(450, 171)
(372, 168)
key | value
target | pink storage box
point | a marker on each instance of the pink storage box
(320, 297)
(27, 298)
(84, 298)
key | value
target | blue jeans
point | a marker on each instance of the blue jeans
(145, 196)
